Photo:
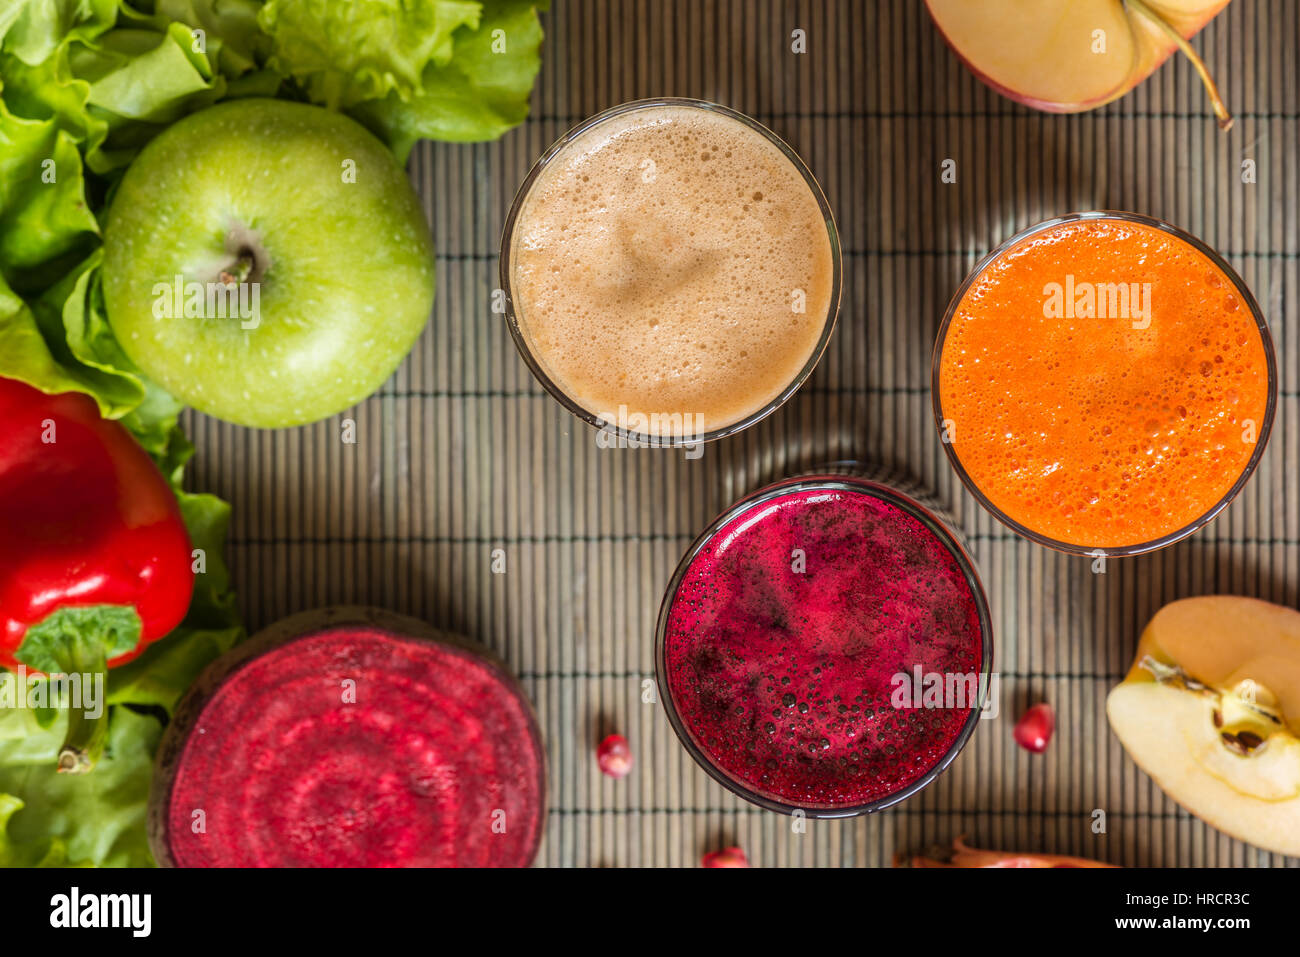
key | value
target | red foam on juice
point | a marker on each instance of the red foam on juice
(785, 678)
(435, 763)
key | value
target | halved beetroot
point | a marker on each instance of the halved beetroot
(350, 737)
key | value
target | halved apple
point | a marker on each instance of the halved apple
(1065, 56)
(1211, 711)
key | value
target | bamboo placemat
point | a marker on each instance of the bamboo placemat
(462, 453)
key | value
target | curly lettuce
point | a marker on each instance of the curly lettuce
(344, 53)
(75, 820)
(480, 92)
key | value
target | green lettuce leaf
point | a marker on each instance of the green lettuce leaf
(141, 81)
(144, 75)
(343, 53)
(78, 338)
(63, 343)
(33, 29)
(26, 355)
(44, 851)
(480, 93)
(45, 222)
(230, 30)
(113, 88)
(56, 820)
(50, 91)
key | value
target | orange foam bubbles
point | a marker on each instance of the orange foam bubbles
(1102, 384)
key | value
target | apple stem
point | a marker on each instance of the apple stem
(1220, 108)
(86, 735)
(84, 743)
(240, 271)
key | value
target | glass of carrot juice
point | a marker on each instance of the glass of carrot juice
(1104, 383)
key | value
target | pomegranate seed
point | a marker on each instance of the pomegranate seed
(727, 857)
(1034, 729)
(614, 756)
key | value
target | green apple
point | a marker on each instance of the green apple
(267, 262)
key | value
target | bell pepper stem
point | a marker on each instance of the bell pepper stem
(87, 718)
(84, 742)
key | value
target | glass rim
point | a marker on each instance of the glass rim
(646, 439)
(937, 526)
(1266, 340)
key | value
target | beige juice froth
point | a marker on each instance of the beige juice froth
(671, 262)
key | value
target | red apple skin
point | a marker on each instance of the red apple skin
(1189, 29)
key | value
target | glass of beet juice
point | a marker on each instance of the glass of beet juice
(1104, 383)
(798, 634)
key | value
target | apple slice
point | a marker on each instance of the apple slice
(1211, 711)
(1065, 56)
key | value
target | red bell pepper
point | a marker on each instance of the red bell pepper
(95, 560)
